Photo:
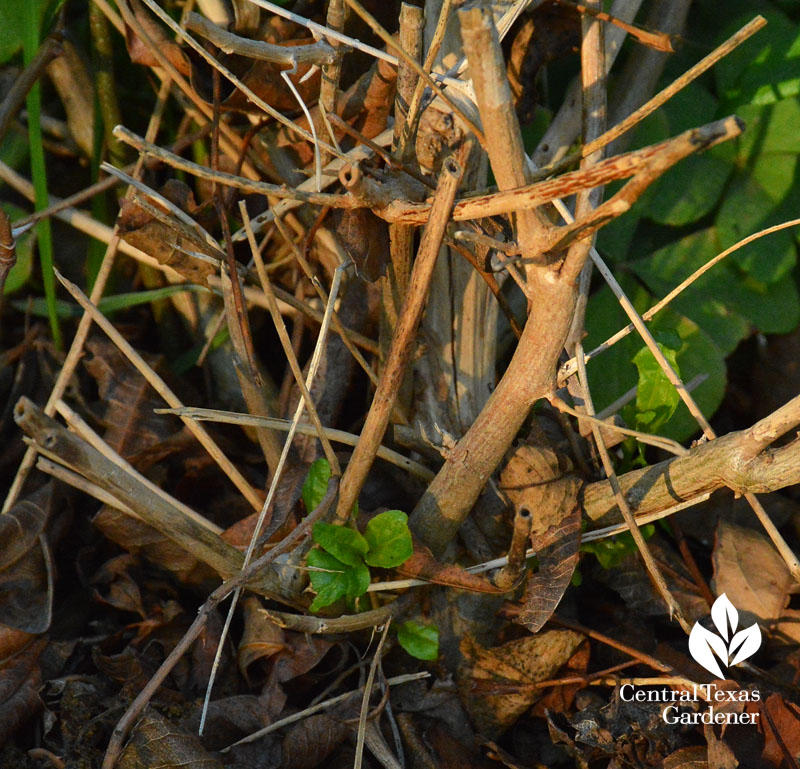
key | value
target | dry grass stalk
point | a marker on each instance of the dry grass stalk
(286, 342)
(78, 425)
(153, 508)
(287, 303)
(320, 706)
(428, 79)
(158, 384)
(76, 348)
(340, 436)
(219, 67)
(231, 143)
(314, 53)
(362, 717)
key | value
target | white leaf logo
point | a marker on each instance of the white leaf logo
(704, 645)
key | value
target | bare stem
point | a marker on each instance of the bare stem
(402, 342)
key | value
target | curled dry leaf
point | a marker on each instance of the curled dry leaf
(143, 438)
(557, 562)
(263, 78)
(308, 743)
(423, 565)
(688, 758)
(262, 638)
(173, 244)
(141, 52)
(537, 479)
(133, 429)
(492, 682)
(365, 238)
(780, 723)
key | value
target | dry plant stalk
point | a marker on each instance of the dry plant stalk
(551, 292)
(82, 332)
(402, 342)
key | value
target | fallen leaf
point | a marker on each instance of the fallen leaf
(779, 722)
(524, 661)
(263, 78)
(143, 438)
(365, 238)
(308, 743)
(560, 698)
(20, 681)
(140, 52)
(156, 742)
(173, 244)
(423, 565)
(26, 579)
(262, 638)
(133, 429)
(557, 562)
(688, 758)
(751, 572)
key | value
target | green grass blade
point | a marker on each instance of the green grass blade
(39, 172)
(108, 304)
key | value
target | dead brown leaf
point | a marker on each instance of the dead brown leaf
(308, 743)
(365, 238)
(133, 429)
(26, 578)
(753, 575)
(20, 681)
(141, 53)
(524, 661)
(557, 562)
(143, 438)
(422, 565)
(263, 78)
(262, 638)
(560, 698)
(172, 244)
(156, 742)
(779, 721)
(688, 758)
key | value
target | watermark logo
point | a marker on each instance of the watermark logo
(729, 646)
(709, 703)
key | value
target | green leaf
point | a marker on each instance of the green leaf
(389, 539)
(135, 298)
(765, 68)
(344, 543)
(765, 194)
(420, 641)
(336, 581)
(721, 302)
(316, 484)
(612, 374)
(611, 551)
(692, 188)
(770, 128)
(13, 18)
(656, 397)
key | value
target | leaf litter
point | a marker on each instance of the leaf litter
(95, 604)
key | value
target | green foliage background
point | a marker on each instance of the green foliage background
(706, 204)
